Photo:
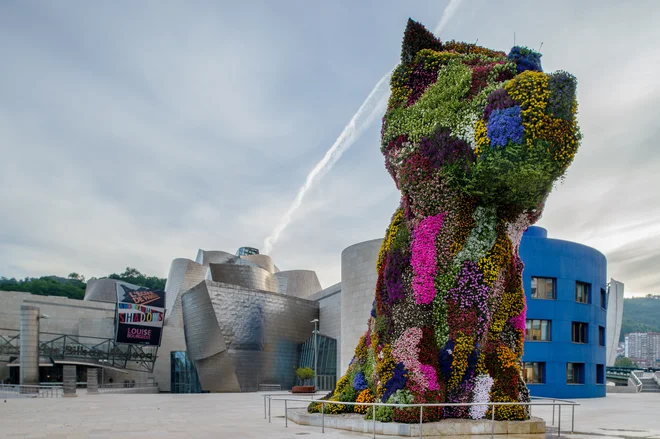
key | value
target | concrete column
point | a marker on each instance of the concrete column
(69, 378)
(92, 380)
(29, 356)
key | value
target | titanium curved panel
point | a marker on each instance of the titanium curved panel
(262, 331)
(216, 373)
(299, 283)
(206, 257)
(183, 275)
(358, 284)
(203, 337)
(245, 276)
(103, 290)
(614, 319)
(262, 261)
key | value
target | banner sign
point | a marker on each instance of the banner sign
(140, 315)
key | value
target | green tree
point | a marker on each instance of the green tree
(624, 362)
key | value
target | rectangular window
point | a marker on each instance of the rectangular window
(603, 298)
(600, 374)
(534, 373)
(543, 288)
(601, 336)
(574, 373)
(582, 292)
(538, 330)
(580, 331)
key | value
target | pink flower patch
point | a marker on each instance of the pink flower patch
(423, 259)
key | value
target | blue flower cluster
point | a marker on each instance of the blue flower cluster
(505, 126)
(397, 382)
(359, 382)
(525, 59)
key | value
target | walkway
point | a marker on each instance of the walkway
(229, 416)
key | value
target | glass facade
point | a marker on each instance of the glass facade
(247, 251)
(183, 374)
(575, 373)
(538, 330)
(326, 367)
(543, 288)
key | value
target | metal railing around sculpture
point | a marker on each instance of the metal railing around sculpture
(539, 402)
(95, 349)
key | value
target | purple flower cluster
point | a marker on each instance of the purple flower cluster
(397, 261)
(419, 80)
(423, 258)
(468, 301)
(505, 126)
(497, 100)
(442, 149)
(360, 382)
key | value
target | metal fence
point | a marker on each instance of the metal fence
(26, 391)
(124, 388)
(559, 403)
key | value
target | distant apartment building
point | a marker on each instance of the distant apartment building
(643, 348)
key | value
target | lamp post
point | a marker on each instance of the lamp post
(316, 350)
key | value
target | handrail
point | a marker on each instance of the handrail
(656, 377)
(30, 390)
(636, 382)
(323, 402)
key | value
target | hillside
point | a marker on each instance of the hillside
(640, 314)
(74, 286)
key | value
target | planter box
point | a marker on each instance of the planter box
(303, 389)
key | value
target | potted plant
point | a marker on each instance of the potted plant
(304, 374)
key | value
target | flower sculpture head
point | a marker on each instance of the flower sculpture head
(474, 140)
(491, 127)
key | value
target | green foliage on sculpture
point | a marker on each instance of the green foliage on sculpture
(474, 140)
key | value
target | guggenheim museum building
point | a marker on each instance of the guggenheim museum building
(235, 322)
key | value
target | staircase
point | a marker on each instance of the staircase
(649, 385)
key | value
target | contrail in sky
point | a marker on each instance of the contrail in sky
(371, 108)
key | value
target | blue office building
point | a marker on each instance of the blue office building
(565, 288)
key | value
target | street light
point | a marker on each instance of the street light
(316, 350)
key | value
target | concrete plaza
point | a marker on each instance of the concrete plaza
(241, 415)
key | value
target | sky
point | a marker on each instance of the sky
(133, 133)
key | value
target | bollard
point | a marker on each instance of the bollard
(322, 418)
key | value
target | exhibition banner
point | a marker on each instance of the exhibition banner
(140, 315)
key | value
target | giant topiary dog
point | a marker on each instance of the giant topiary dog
(474, 140)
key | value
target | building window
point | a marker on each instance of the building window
(574, 373)
(601, 336)
(543, 288)
(603, 298)
(534, 373)
(538, 330)
(600, 374)
(580, 331)
(582, 292)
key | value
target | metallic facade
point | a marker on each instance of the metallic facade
(614, 318)
(240, 337)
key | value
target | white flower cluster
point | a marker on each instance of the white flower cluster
(516, 229)
(399, 156)
(481, 393)
(464, 129)
(482, 236)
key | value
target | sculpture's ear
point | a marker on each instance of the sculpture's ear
(415, 38)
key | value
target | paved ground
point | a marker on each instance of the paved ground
(229, 416)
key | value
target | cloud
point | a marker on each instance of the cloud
(131, 139)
